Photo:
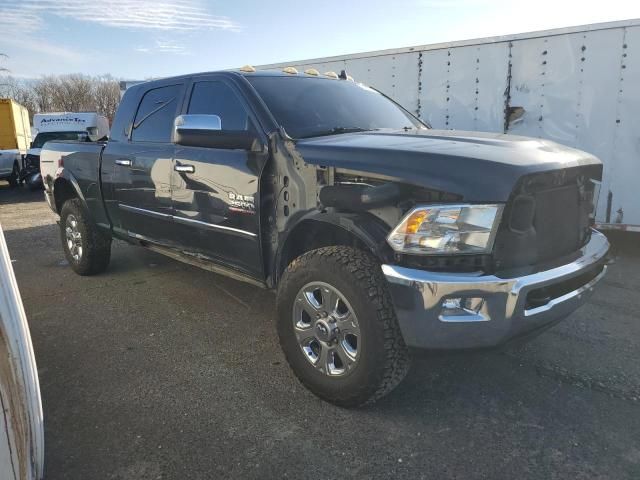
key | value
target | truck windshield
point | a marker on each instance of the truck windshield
(45, 137)
(311, 107)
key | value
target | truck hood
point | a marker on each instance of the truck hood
(480, 167)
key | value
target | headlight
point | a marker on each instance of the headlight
(447, 229)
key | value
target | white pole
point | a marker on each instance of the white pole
(21, 420)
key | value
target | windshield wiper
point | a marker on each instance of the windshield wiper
(336, 131)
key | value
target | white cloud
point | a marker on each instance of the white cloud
(164, 46)
(23, 49)
(39, 46)
(164, 15)
(14, 20)
(454, 4)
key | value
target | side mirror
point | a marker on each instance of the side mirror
(206, 131)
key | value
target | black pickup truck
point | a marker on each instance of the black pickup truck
(377, 232)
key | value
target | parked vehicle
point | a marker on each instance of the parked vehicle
(30, 175)
(377, 232)
(21, 425)
(15, 136)
(576, 86)
(85, 126)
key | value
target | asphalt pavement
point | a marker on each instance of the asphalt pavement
(158, 370)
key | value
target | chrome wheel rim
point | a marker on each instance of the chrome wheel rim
(326, 328)
(74, 237)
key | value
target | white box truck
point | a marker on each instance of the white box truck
(67, 126)
(85, 126)
(577, 86)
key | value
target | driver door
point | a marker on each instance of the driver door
(215, 190)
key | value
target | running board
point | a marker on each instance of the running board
(203, 262)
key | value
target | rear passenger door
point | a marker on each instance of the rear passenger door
(143, 165)
(215, 193)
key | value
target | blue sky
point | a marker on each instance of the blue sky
(138, 39)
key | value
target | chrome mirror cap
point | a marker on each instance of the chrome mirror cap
(197, 122)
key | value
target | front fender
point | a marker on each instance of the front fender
(369, 229)
(362, 229)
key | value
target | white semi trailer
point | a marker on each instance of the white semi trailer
(579, 86)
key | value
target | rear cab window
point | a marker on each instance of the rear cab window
(155, 115)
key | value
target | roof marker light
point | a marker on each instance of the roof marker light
(248, 68)
(312, 71)
(290, 70)
(331, 75)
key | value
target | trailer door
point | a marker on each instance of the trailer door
(573, 91)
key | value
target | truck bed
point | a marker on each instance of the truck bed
(80, 163)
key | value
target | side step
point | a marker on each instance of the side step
(201, 261)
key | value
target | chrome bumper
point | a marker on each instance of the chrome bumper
(423, 301)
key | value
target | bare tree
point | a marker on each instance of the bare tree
(44, 91)
(20, 91)
(106, 95)
(70, 93)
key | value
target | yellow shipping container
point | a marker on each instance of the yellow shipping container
(15, 128)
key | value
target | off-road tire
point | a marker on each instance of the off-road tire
(96, 245)
(15, 174)
(384, 359)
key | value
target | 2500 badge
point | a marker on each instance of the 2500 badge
(241, 203)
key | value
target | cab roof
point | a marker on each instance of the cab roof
(231, 73)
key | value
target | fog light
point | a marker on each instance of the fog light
(459, 309)
(452, 304)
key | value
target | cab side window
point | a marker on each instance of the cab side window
(155, 115)
(218, 98)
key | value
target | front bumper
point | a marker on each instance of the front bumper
(505, 307)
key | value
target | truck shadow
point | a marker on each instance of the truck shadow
(20, 194)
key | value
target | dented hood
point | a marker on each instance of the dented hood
(480, 167)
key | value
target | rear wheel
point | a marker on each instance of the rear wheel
(15, 174)
(337, 326)
(87, 249)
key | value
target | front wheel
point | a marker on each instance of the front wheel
(338, 328)
(87, 249)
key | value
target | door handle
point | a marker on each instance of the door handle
(125, 162)
(184, 168)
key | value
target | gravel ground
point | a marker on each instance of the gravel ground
(159, 370)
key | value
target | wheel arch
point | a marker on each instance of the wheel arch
(318, 229)
(65, 188)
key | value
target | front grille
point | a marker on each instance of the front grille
(548, 217)
(446, 263)
(557, 222)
